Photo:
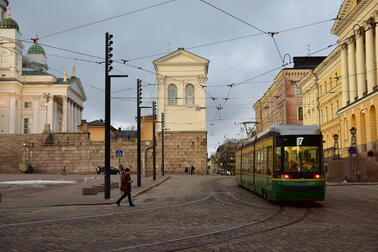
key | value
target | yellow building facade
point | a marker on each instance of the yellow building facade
(341, 92)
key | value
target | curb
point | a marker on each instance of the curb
(353, 184)
(112, 202)
(150, 187)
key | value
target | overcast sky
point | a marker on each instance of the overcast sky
(164, 28)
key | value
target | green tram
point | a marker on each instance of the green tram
(283, 163)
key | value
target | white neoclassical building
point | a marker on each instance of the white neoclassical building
(181, 80)
(30, 97)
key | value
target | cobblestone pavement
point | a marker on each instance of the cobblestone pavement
(196, 213)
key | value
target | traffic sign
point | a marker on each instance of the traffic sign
(352, 150)
(119, 153)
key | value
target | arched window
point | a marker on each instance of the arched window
(189, 94)
(172, 94)
(4, 60)
(300, 114)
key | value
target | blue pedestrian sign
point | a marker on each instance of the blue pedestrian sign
(352, 150)
(119, 153)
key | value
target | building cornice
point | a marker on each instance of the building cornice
(358, 102)
(346, 16)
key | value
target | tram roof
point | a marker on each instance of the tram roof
(292, 130)
(285, 130)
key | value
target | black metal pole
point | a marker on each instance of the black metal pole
(162, 143)
(139, 179)
(107, 119)
(154, 139)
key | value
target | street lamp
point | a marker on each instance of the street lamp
(336, 146)
(353, 131)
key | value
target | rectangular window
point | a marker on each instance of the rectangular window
(27, 125)
(278, 162)
(27, 105)
(326, 114)
(269, 160)
(331, 111)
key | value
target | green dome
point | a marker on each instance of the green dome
(8, 23)
(36, 49)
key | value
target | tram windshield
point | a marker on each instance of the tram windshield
(301, 154)
(301, 159)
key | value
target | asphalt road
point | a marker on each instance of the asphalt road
(198, 213)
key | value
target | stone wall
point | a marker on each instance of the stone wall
(74, 153)
(352, 169)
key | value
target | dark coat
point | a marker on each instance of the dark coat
(126, 183)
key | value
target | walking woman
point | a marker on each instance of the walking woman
(126, 187)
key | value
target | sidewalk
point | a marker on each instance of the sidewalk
(67, 191)
(350, 183)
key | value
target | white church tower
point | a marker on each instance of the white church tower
(181, 95)
(181, 84)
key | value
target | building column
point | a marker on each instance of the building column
(352, 69)
(376, 51)
(344, 74)
(70, 122)
(12, 114)
(35, 120)
(74, 117)
(78, 118)
(370, 61)
(65, 113)
(360, 64)
(50, 112)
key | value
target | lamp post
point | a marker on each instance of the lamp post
(336, 155)
(353, 131)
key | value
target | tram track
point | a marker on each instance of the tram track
(265, 218)
(86, 217)
(222, 235)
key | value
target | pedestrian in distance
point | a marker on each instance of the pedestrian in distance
(126, 187)
(186, 170)
(192, 170)
(121, 170)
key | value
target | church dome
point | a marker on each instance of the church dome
(36, 49)
(8, 23)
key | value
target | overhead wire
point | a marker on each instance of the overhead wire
(105, 19)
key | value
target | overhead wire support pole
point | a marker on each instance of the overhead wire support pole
(108, 68)
(139, 101)
(162, 142)
(154, 139)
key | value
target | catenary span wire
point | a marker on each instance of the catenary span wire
(105, 19)
(270, 34)
(231, 39)
(229, 14)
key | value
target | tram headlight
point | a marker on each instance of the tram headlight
(317, 176)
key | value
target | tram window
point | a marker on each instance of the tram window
(264, 162)
(301, 159)
(278, 163)
(269, 160)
